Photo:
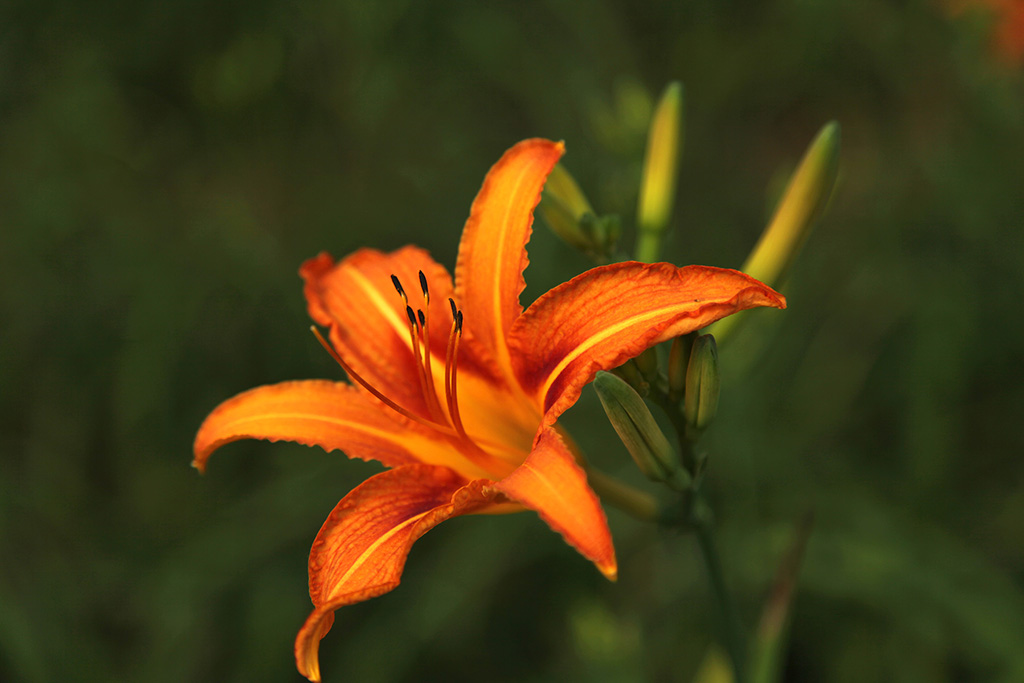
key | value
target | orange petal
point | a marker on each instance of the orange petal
(492, 253)
(332, 415)
(368, 320)
(361, 548)
(609, 314)
(551, 482)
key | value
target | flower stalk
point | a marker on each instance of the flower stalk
(702, 521)
(692, 374)
(803, 202)
(658, 183)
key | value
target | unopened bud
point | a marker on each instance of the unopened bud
(639, 432)
(647, 364)
(702, 384)
(802, 203)
(678, 360)
(658, 183)
(567, 212)
(563, 205)
(630, 374)
(601, 232)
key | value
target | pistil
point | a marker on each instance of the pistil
(355, 377)
(449, 423)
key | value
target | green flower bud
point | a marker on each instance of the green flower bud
(602, 233)
(630, 374)
(803, 202)
(678, 360)
(702, 384)
(639, 432)
(658, 183)
(565, 209)
(647, 364)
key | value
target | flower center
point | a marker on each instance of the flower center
(445, 417)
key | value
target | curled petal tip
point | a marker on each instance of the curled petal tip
(777, 300)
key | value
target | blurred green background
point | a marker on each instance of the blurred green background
(166, 167)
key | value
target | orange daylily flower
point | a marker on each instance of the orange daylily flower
(457, 389)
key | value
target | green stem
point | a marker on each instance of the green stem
(703, 527)
(648, 246)
(702, 521)
(632, 501)
(671, 409)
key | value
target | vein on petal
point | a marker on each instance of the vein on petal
(400, 326)
(499, 323)
(598, 337)
(365, 555)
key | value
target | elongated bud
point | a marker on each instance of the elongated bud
(603, 232)
(802, 203)
(562, 187)
(639, 432)
(647, 364)
(678, 360)
(563, 205)
(567, 212)
(658, 183)
(702, 384)
(629, 373)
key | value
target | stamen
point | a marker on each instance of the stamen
(431, 390)
(448, 361)
(451, 375)
(426, 381)
(423, 286)
(354, 376)
(469, 448)
(398, 286)
(455, 311)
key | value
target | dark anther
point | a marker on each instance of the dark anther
(455, 311)
(412, 316)
(423, 286)
(423, 319)
(398, 285)
(458, 323)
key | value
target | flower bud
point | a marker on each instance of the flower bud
(601, 232)
(647, 364)
(702, 384)
(802, 203)
(639, 432)
(629, 373)
(563, 205)
(567, 212)
(658, 183)
(678, 360)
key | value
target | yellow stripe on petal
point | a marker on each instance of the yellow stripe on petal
(361, 549)
(609, 314)
(332, 415)
(492, 254)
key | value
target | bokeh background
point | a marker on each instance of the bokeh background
(166, 167)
